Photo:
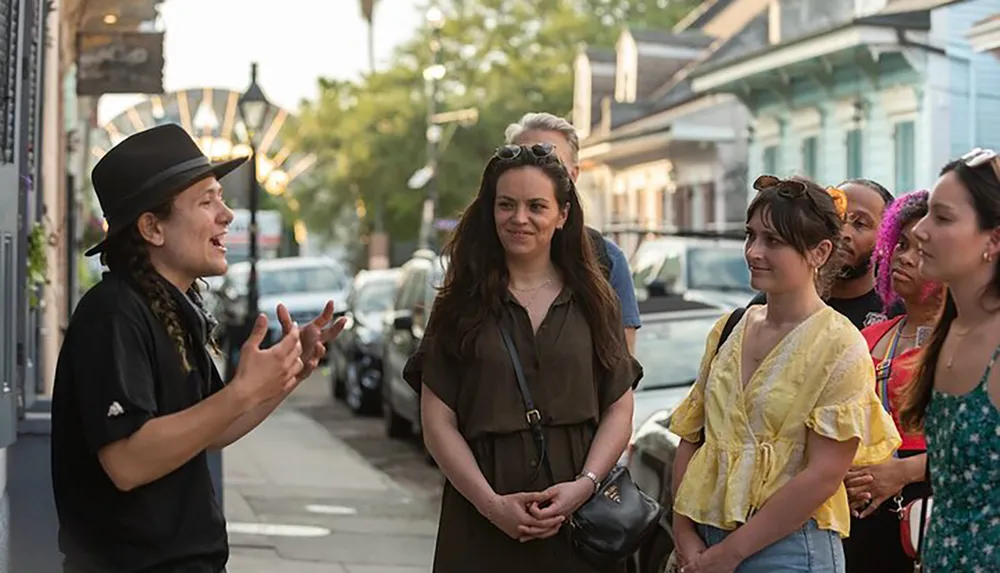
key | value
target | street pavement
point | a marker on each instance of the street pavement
(300, 500)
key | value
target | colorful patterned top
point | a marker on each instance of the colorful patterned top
(963, 449)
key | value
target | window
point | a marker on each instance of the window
(770, 166)
(904, 149)
(810, 157)
(854, 158)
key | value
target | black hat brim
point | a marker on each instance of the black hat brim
(184, 180)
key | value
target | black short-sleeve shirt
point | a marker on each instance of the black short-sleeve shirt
(117, 369)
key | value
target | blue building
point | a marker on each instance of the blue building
(884, 89)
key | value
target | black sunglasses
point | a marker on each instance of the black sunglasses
(538, 150)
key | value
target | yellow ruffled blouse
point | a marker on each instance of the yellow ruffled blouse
(818, 377)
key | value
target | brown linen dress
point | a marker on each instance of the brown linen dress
(569, 389)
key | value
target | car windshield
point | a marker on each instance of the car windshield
(670, 351)
(292, 280)
(718, 268)
(375, 296)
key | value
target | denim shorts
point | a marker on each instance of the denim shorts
(808, 550)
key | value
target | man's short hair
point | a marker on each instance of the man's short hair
(541, 121)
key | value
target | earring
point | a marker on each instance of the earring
(986, 257)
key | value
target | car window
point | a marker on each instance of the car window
(718, 268)
(669, 273)
(301, 279)
(404, 296)
(374, 296)
(670, 350)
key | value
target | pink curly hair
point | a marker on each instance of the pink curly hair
(900, 213)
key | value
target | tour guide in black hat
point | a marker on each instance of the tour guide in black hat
(137, 400)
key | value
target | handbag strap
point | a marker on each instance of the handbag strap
(531, 413)
(921, 529)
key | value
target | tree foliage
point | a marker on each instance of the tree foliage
(503, 57)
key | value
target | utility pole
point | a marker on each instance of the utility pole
(378, 241)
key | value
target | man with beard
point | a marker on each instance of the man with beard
(853, 294)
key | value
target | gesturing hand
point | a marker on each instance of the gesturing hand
(314, 335)
(509, 513)
(265, 374)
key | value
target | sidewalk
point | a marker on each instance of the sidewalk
(299, 501)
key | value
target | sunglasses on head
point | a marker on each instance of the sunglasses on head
(979, 157)
(788, 188)
(538, 150)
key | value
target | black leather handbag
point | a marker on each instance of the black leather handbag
(613, 523)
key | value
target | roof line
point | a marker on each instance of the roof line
(693, 15)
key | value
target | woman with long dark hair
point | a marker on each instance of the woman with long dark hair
(781, 408)
(519, 261)
(956, 394)
(878, 493)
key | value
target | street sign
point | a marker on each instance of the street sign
(445, 224)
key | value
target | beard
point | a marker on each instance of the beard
(857, 270)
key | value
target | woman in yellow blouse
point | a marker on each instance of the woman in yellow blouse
(784, 408)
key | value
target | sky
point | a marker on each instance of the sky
(210, 43)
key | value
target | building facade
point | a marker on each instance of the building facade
(887, 90)
(657, 157)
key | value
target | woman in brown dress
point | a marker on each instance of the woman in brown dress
(519, 258)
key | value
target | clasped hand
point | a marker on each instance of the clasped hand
(538, 515)
(869, 487)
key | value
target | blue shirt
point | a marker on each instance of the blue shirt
(621, 281)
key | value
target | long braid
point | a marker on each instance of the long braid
(126, 252)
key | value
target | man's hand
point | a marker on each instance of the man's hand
(314, 335)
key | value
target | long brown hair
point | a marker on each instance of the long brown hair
(982, 184)
(477, 276)
(127, 255)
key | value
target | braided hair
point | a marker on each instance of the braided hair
(126, 255)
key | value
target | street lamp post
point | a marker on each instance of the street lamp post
(432, 75)
(253, 107)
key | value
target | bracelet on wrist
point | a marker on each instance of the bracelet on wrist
(591, 476)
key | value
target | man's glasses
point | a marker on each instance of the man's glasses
(538, 150)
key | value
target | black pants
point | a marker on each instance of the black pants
(875, 545)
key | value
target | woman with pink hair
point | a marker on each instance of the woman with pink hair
(877, 493)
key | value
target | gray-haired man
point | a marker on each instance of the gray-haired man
(548, 128)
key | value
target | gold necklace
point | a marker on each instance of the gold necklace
(530, 299)
(959, 336)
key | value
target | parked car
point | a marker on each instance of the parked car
(355, 357)
(404, 326)
(302, 284)
(700, 267)
(669, 346)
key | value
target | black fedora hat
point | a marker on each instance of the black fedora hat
(146, 169)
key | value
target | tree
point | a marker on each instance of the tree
(504, 57)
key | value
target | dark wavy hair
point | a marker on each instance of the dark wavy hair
(905, 210)
(477, 276)
(983, 186)
(803, 217)
(126, 254)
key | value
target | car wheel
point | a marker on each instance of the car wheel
(336, 379)
(396, 426)
(654, 555)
